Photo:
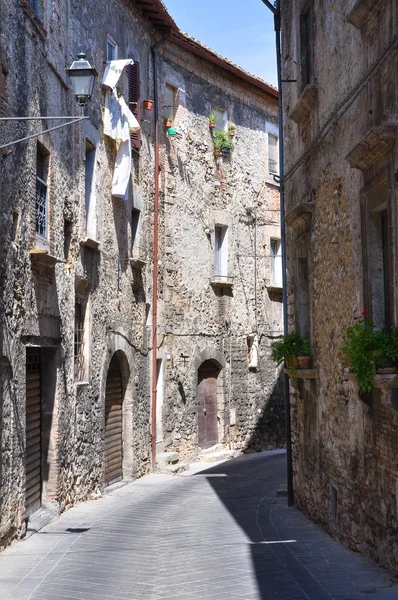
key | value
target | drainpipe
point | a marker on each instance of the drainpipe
(155, 252)
(276, 10)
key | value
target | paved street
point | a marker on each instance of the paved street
(220, 534)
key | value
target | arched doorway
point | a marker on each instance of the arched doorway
(208, 374)
(114, 423)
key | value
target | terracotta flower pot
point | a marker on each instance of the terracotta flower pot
(148, 104)
(231, 132)
(387, 371)
(168, 123)
(304, 362)
(217, 152)
(293, 362)
(212, 124)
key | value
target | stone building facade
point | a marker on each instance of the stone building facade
(76, 263)
(340, 132)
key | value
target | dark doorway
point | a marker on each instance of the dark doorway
(114, 423)
(208, 373)
(33, 452)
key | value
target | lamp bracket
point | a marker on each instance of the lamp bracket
(14, 129)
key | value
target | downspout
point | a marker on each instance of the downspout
(155, 253)
(276, 10)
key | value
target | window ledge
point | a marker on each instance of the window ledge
(271, 181)
(305, 103)
(220, 282)
(275, 287)
(90, 243)
(136, 262)
(381, 381)
(302, 373)
(376, 142)
(361, 12)
(44, 257)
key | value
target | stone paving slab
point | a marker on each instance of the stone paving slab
(220, 533)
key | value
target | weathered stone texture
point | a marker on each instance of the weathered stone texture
(200, 321)
(344, 444)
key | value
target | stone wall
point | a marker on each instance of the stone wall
(201, 320)
(38, 298)
(344, 443)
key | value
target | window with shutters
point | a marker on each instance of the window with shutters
(133, 72)
(42, 159)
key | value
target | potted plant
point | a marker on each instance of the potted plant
(168, 122)
(217, 144)
(231, 129)
(223, 141)
(367, 349)
(288, 349)
(148, 104)
(304, 359)
(212, 120)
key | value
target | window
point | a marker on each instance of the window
(111, 50)
(221, 119)
(306, 43)
(272, 145)
(133, 72)
(135, 219)
(41, 191)
(276, 263)
(252, 350)
(91, 217)
(221, 251)
(379, 265)
(82, 332)
(170, 101)
(273, 155)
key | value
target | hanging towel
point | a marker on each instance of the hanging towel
(119, 123)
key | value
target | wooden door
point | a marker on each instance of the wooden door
(33, 470)
(114, 424)
(207, 404)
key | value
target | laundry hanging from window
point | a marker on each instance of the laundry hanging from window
(119, 123)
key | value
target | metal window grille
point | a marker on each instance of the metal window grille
(79, 339)
(41, 207)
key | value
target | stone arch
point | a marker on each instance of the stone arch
(120, 354)
(215, 387)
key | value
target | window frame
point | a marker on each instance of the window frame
(42, 182)
(221, 262)
(274, 257)
(306, 41)
(171, 110)
(110, 42)
(272, 130)
(223, 115)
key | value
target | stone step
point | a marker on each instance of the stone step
(218, 456)
(166, 458)
(177, 468)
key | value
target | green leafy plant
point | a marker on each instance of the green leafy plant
(366, 349)
(231, 127)
(289, 347)
(222, 140)
(212, 118)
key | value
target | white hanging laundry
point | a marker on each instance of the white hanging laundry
(119, 122)
(113, 70)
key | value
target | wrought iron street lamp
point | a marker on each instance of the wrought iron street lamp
(82, 76)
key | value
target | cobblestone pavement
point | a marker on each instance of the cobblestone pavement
(220, 534)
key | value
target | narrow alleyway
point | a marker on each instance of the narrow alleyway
(221, 534)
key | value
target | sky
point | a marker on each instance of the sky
(240, 30)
